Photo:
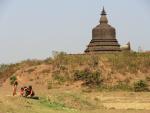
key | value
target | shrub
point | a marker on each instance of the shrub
(3, 67)
(89, 78)
(123, 86)
(60, 77)
(48, 60)
(59, 59)
(94, 61)
(13, 79)
(62, 67)
(140, 85)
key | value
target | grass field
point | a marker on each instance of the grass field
(76, 101)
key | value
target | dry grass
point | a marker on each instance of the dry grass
(76, 101)
(121, 68)
(54, 81)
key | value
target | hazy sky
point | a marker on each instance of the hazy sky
(35, 28)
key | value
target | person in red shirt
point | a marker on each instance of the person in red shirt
(22, 91)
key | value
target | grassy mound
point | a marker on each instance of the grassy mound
(108, 71)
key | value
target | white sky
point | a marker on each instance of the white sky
(34, 28)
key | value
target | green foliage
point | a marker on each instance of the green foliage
(3, 67)
(89, 78)
(71, 100)
(60, 77)
(7, 70)
(141, 85)
(52, 105)
(94, 61)
(62, 67)
(13, 79)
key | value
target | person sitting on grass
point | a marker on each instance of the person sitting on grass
(22, 91)
(29, 92)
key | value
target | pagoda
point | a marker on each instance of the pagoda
(103, 37)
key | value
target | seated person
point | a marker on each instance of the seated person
(29, 92)
(22, 91)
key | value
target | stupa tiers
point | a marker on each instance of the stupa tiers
(103, 37)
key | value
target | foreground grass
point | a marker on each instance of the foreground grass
(17, 105)
(34, 106)
(78, 102)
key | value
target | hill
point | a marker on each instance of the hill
(109, 69)
(80, 83)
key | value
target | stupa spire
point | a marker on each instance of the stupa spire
(103, 18)
(103, 11)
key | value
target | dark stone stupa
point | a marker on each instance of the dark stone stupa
(103, 37)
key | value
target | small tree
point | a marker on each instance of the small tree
(89, 78)
(141, 85)
(13, 79)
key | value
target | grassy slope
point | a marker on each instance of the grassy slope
(121, 67)
(61, 94)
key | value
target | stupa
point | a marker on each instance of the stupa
(103, 37)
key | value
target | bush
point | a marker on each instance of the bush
(3, 67)
(123, 86)
(94, 61)
(89, 78)
(60, 77)
(13, 79)
(140, 85)
(48, 60)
